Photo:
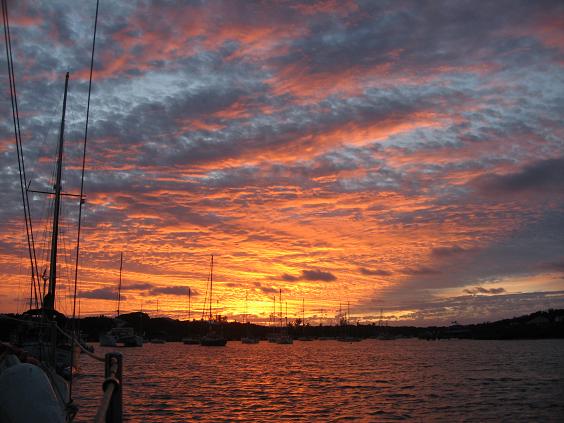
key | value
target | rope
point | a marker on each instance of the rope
(84, 350)
(65, 334)
(27, 322)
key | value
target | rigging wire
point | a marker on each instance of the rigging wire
(19, 150)
(65, 265)
(205, 298)
(20, 266)
(81, 198)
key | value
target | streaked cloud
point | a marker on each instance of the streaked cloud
(481, 290)
(173, 290)
(310, 275)
(102, 294)
(374, 272)
(400, 152)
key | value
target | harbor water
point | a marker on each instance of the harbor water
(372, 381)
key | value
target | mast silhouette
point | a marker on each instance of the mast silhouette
(49, 300)
(211, 287)
(119, 286)
(303, 312)
(246, 299)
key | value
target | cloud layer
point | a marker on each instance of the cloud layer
(377, 153)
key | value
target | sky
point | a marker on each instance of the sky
(396, 159)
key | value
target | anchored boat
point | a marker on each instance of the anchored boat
(190, 340)
(283, 337)
(248, 339)
(214, 337)
(122, 334)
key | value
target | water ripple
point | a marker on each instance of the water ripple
(329, 381)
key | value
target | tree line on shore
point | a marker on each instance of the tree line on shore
(538, 325)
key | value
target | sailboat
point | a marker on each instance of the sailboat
(121, 334)
(347, 336)
(110, 339)
(160, 338)
(273, 335)
(213, 338)
(248, 339)
(39, 336)
(38, 341)
(283, 337)
(107, 339)
(32, 383)
(39, 378)
(189, 340)
(304, 337)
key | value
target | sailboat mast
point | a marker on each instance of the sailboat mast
(119, 286)
(49, 301)
(189, 302)
(380, 321)
(211, 287)
(280, 307)
(246, 299)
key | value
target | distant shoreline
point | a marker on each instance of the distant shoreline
(538, 325)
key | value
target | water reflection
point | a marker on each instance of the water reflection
(328, 381)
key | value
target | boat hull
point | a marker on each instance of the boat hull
(349, 339)
(284, 340)
(28, 395)
(107, 340)
(213, 342)
(132, 341)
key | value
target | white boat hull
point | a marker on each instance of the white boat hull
(107, 340)
(27, 395)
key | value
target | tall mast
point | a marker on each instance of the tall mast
(189, 301)
(380, 321)
(119, 286)
(303, 312)
(211, 287)
(49, 301)
(280, 307)
(246, 299)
